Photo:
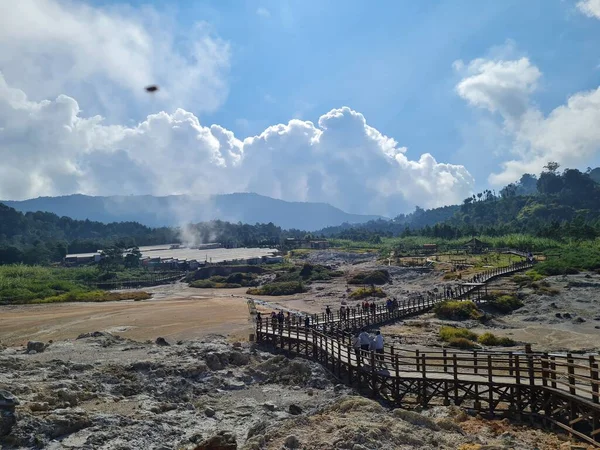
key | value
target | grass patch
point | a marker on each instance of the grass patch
(457, 310)
(209, 284)
(372, 277)
(91, 296)
(20, 284)
(503, 302)
(462, 343)
(278, 288)
(448, 333)
(361, 293)
(493, 340)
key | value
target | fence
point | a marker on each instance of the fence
(557, 390)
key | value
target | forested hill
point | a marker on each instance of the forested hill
(41, 237)
(176, 209)
(554, 205)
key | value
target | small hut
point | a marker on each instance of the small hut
(475, 246)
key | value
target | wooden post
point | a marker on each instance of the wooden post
(397, 380)
(571, 371)
(475, 370)
(594, 377)
(490, 383)
(417, 360)
(424, 381)
(373, 380)
(445, 357)
(545, 369)
(553, 373)
(455, 367)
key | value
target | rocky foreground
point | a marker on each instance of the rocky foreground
(104, 392)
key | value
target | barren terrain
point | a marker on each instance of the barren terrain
(104, 392)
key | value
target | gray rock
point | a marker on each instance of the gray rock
(92, 334)
(8, 400)
(294, 410)
(7, 412)
(209, 412)
(213, 362)
(292, 442)
(256, 429)
(223, 440)
(269, 406)
(36, 346)
(162, 342)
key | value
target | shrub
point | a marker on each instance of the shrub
(457, 310)
(202, 284)
(361, 293)
(491, 339)
(373, 277)
(277, 288)
(461, 343)
(448, 333)
(506, 303)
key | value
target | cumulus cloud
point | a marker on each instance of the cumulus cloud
(105, 56)
(568, 134)
(502, 86)
(51, 148)
(590, 8)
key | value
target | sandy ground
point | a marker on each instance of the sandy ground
(175, 312)
(178, 312)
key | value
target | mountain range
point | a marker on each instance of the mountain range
(179, 209)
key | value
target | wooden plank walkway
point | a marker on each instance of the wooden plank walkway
(557, 390)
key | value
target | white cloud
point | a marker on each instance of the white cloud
(590, 8)
(263, 12)
(106, 56)
(51, 148)
(569, 134)
(502, 86)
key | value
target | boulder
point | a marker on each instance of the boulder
(7, 412)
(92, 334)
(209, 412)
(223, 440)
(294, 410)
(162, 342)
(292, 442)
(36, 346)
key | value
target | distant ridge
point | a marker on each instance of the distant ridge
(177, 209)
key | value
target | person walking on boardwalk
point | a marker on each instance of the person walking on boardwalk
(258, 319)
(365, 340)
(280, 319)
(379, 346)
(306, 322)
(328, 312)
(356, 346)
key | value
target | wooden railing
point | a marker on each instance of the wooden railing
(559, 390)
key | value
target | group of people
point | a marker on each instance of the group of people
(278, 319)
(345, 312)
(364, 342)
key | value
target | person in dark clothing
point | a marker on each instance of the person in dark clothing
(258, 318)
(328, 312)
(280, 319)
(307, 322)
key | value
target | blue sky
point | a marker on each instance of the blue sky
(390, 60)
(393, 62)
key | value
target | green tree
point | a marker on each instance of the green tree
(112, 259)
(132, 258)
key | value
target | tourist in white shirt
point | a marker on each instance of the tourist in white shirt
(379, 345)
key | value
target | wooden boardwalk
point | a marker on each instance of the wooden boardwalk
(555, 390)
